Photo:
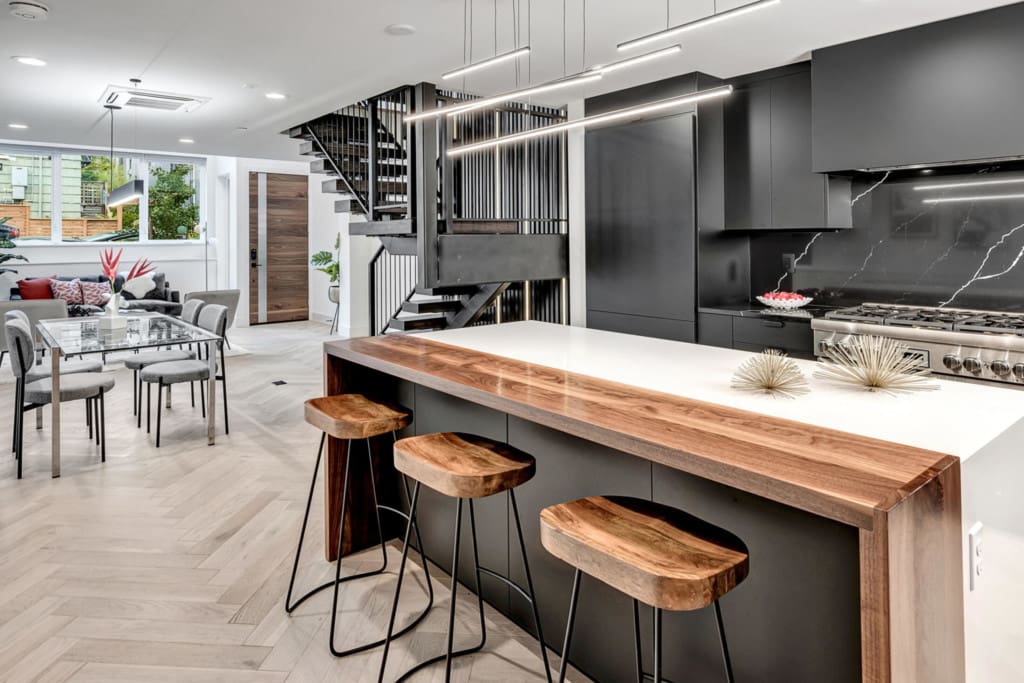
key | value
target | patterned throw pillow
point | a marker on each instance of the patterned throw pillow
(95, 293)
(138, 287)
(69, 291)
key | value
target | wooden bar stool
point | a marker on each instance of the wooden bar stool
(352, 417)
(654, 553)
(464, 466)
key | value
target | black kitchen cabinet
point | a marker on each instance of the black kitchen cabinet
(938, 93)
(769, 183)
(756, 334)
(641, 239)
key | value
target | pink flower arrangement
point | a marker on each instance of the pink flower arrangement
(110, 261)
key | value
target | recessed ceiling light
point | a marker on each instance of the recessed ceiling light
(18, 126)
(241, 129)
(29, 61)
(276, 96)
(400, 29)
(186, 141)
(29, 10)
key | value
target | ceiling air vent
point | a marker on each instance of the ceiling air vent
(128, 96)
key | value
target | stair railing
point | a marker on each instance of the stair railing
(392, 283)
(342, 175)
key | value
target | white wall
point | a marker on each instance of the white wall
(577, 221)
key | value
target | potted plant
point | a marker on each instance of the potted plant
(327, 262)
(6, 243)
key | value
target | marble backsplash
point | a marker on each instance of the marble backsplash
(955, 239)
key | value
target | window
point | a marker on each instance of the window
(86, 183)
(79, 183)
(173, 190)
(25, 192)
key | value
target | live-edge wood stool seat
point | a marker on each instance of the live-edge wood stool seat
(464, 467)
(654, 553)
(353, 417)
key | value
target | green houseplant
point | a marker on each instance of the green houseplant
(6, 243)
(327, 262)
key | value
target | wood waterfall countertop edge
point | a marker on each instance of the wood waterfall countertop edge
(838, 475)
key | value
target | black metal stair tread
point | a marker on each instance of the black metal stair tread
(432, 306)
(454, 290)
(402, 227)
(418, 322)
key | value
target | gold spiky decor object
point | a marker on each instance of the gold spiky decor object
(877, 364)
(771, 373)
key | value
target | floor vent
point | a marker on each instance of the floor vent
(278, 382)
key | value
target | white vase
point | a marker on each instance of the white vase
(111, 319)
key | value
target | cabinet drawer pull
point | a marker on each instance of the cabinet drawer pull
(772, 323)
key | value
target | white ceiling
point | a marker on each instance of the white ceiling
(327, 53)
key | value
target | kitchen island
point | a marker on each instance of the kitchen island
(850, 502)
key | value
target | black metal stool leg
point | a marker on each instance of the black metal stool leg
(569, 625)
(398, 586)
(725, 646)
(529, 585)
(638, 646)
(455, 589)
(288, 605)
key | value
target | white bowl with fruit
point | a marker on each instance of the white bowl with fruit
(788, 301)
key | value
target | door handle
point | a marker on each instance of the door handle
(772, 323)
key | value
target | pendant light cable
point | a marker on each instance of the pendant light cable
(565, 69)
(583, 66)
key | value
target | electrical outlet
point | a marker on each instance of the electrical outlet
(974, 549)
(789, 263)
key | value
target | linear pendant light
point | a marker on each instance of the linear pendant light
(699, 23)
(491, 61)
(587, 76)
(971, 183)
(976, 198)
(505, 97)
(616, 115)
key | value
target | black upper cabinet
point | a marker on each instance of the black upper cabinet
(938, 93)
(768, 179)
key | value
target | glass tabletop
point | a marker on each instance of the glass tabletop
(136, 330)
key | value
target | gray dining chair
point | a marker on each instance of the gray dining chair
(189, 314)
(32, 395)
(212, 318)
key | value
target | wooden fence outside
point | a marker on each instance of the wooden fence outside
(21, 217)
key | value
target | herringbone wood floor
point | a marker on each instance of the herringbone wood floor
(172, 564)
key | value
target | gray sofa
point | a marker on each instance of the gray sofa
(161, 299)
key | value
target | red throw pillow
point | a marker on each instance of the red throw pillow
(36, 288)
(95, 293)
(69, 291)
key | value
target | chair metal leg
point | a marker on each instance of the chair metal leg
(103, 427)
(224, 400)
(39, 418)
(529, 585)
(88, 416)
(202, 397)
(138, 407)
(657, 645)
(96, 419)
(637, 645)
(149, 408)
(135, 392)
(159, 410)
(18, 403)
(20, 447)
(398, 586)
(725, 646)
(573, 600)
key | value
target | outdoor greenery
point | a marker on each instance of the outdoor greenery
(327, 262)
(98, 168)
(172, 204)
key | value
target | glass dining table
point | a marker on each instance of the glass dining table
(67, 337)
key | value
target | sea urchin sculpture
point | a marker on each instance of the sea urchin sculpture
(877, 364)
(771, 373)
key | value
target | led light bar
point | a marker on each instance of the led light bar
(498, 99)
(497, 59)
(587, 76)
(968, 183)
(639, 59)
(976, 198)
(699, 23)
(616, 115)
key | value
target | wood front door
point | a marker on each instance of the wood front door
(278, 248)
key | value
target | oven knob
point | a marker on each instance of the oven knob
(972, 365)
(1018, 370)
(1000, 367)
(952, 361)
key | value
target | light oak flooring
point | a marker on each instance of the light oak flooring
(171, 564)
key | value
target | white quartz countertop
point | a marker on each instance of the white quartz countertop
(959, 418)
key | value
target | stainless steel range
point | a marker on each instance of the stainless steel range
(977, 345)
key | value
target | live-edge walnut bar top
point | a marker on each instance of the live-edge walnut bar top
(836, 452)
